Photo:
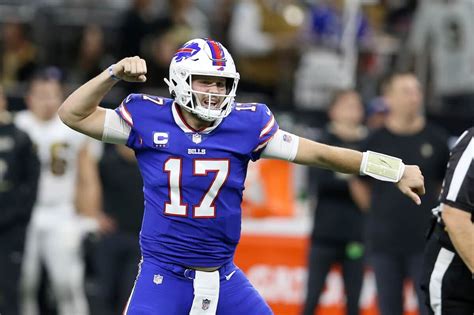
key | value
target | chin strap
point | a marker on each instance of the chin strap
(382, 167)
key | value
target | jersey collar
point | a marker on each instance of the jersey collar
(179, 120)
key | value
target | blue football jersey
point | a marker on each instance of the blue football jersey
(193, 179)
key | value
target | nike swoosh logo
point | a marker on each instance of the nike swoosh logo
(385, 162)
(230, 275)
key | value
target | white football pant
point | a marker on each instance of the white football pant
(55, 242)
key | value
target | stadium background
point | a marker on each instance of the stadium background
(80, 37)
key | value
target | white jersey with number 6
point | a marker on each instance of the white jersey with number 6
(58, 148)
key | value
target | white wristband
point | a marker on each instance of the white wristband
(111, 73)
(382, 167)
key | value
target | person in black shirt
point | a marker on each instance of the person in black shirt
(338, 222)
(118, 252)
(395, 228)
(19, 172)
(138, 21)
(448, 271)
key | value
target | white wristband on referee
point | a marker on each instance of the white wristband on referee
(382, 167)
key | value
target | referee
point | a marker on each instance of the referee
(448, 273)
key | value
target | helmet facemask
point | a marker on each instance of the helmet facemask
(211, 106)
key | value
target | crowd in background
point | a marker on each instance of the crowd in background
(294, 55)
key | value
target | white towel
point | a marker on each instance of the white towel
(206, 293)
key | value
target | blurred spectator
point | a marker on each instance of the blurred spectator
(398, 16)
(185, 14)
(338, 222)
(183, 21)
(376, 113)
(395, 228)
(67, 182)
(18, 54)
(92, 57)
(138, 22)
(443, 31)
(335, 32)
(117, 252)
(264, 38)
(219, 13)
(327, 25)
(161, 51)
(19, 172)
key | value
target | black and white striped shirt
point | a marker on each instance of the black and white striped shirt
(458, 184)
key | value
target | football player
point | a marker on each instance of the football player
(67, 180)
(193, 150)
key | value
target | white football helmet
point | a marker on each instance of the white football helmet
(202, 57)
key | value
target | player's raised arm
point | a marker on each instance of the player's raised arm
(81, 110)
(408, 178)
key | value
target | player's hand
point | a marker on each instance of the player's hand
(412, 183)
(130, 69)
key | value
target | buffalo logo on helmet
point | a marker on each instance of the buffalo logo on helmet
(187, 51)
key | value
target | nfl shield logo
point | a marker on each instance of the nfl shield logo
(157, 279)
(197, 138)
(205, 304)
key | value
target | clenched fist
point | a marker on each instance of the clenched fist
(130, 69)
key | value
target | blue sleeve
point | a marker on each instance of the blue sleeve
(267, 128)
(129, 110)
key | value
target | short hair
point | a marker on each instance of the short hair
(50, 73)
(340, 94)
